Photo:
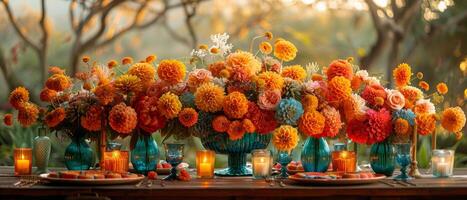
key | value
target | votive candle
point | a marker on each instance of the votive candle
(23, 161)
(116, 161)
(205, 160)
(442, 162)
(343, 161)
(261, 161)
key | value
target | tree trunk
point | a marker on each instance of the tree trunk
(369, 60)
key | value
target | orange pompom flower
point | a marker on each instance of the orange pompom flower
(265, 47)
(171, 71)
(122, 118)
(8, 119)
(128, 83)
(18, 96)
(442, 88)
(311, 123)
(86, 59)
(295, 72)
(270, 80)
(310, 102)
(151, 58)
(338, 89)
(105, 93)
(215, 68)
(453, 119)
(144, 71)
(248, 126)
(220, 123)
(411, 94)
(401, 127)
(28, 114)
(285, 138)
(169, 105)
(209, 97)
(188, 117)
(339, 68)
(424, 85)
(236, 130)
(242, 66)
(316, 77)
(235, 105)
(58, 82)
(47, 95)
(268, 35)
(111, 64)
(356, 82)
(54, 117)
(402, 74)
(285, 50)
(56, 70)
(92, 120)
(426, 123)
(127, 60)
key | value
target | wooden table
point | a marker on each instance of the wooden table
(242, 188)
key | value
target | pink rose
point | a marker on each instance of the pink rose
(395, 99)
(202, 74)
(269, 99)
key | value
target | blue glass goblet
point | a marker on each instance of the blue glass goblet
(174, 156)
(284, 158)
(403, 158)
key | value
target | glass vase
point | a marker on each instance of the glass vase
(316, 155)
(403, 159)
(42, 146)
(79, 155)
(145, 154)
(382, 158)
(284, 158)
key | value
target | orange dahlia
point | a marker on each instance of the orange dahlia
(8, 119)
(426, 123)
(356, 82)
(411, 94)
(58, 82)
(295, 72)
(442, 88)
(144, 71)
(402, 74)
(220, 123)
(270, 80)
(374, 94)
(242, 66)
(265, 47)
(209, 97)
(151, 58)
(453, 119)
(332, 123)
(248, 126)
(105, 93)
(338, 89)
(128, 83)
(122, 118)
(171, 71)
(339, 68)
(169, 105)
(285, 138)
(216, 68)
(18, 96)
(28, 114)
(235, 105)
(54, 117)
(127, 60)
(401, 127)
(310, 102)
(236, 130)
(285, 50)
(111, 64)
(92, 120)
(424, 85)
(47, 95)
(311, 123)
(188, 117)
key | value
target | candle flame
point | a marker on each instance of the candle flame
(344, 154)
(115, 154)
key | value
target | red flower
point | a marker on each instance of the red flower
(371, 92)
(149, 118)
(263, 120)
(376, 127)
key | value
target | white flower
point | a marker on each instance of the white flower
(362, 74)
(220, 42)
(426, 105)
(201, 53)
(373, 81)
(311, 86)
(219, 81)
(360, 102)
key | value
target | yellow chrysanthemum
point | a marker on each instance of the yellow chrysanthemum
(209, 97)
(270, 80)
(235, 105)
(285, 138)
(285, 50)
(169, 105)
(265, 47)
(144, 71)
(18, 96)
(28, 114)
(171, 71)
(310, 102)
(128, 83)
(453, 119)
(338, 89)
(295, 72)
(268, 35)
(442, 88)
(242, 66)
(402, 74)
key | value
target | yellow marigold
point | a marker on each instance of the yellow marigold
(105, 93)
(224, 73)
(54, 117)
(268, 35)
(128, 83)
(111, 64)
(28, 114)
(236, 130)
(209, 97)
(144, 71)
(151, 58)
(401, 127)
(265, 47)
(424, 85)
(47, 95)
(171, 71)
(311, 123)
(92, 120)
(295, 72)
(127, 60)
(270, 80)
(235, 105)
(310, 102)
(379, 101)
(220, 123)
(442, 88)
(18, 96)
(86, 59)
(248, 126)
(338, 89)
(420, 75)
(56, 70)
(316, 77)
(402, 74)
(453, 119)
(215, 68)
(285, 50)
(169, 105)
(242, 66)
(58, 82)
(188, 117)
(285, 138)
(426, 123)
(122, 118)
(411, 94)
(8, 119)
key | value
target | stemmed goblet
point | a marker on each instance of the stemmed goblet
(403, 158)
(174, 156)
(284, 158)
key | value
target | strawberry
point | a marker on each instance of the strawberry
(183, 175)
(152, 175)
(166, 166)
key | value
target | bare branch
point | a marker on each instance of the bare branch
(189, 14)
(71, 12)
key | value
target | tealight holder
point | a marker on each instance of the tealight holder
(344, 161)
(205, 160)
(442, 162)
(116, 161)
(23, 161)
(262, 163)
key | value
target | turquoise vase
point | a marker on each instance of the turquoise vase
(316, 155)
(42, 146)
(145, 154)
(382, 158)
(237, 150)
(79, 155)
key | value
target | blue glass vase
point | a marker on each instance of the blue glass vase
(382, 158)
(79, 155)
(403, 159)
(316, 155)
(236, 150)
(145, 154)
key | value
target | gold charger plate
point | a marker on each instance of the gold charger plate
(109, 181)
(344, 181)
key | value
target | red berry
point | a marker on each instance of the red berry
(184, 175)
(159, 166)
(152, 175)
(166, 165)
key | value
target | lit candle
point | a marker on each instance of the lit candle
(23, 161)
(116, 161)
(261, 160)
(442, 167)
(205, 168)
(442, 162)
(205, 160)
(343, 161)
(23, 166)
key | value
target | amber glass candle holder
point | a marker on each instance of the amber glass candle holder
(205, 160)
(23, 161)
(116, 161)
(344, 161)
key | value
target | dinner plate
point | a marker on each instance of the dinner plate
(107, 181)
(343, 181)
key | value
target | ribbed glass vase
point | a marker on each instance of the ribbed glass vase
(79, 155)
(145, 154)
(316, 155)
(382, 158)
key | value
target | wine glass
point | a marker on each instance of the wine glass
(284, 158)
(403, 158)
(174, 156)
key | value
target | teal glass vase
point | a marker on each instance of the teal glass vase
(144, 154)
(79, 155)
(316, 155)
(42, 146)
(382, 158)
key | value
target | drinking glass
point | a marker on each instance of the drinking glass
(174, 156)
(284, 158)
(403, 158)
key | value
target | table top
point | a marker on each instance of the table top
(240, 188)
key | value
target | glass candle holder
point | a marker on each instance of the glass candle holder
(344, 161)
(205, 160)
(262, 163)
(23, 161)
(442, 162)
(116, 161)
(174, 156)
